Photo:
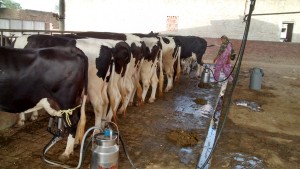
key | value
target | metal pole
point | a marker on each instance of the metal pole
(61, 15)
(1, 43)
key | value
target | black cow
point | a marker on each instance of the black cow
(49, 78)
(192, 49)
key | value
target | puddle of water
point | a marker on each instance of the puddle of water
(242, 161)
(186, 155)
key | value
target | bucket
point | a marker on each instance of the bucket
(205, 75)
(105, 154)
(256, 78)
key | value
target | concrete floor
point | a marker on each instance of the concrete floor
(148, 132)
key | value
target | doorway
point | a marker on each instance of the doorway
(287, 32)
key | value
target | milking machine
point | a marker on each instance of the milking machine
(205, 76)
(105, 145)
(105, 153)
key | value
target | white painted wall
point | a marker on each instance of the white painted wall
(206, 18)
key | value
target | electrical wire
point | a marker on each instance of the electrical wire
(234, 82)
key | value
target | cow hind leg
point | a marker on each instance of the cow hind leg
(69, 149)
(81, 123)
(128, 92)
(146, 85)
(198, 73)
(34, 115)
(170, 80)
(154, 82)
(21, 120)
(114, 100)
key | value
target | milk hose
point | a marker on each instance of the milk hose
(126, 152)
(82, 146)
(229, 73)
(58, 164)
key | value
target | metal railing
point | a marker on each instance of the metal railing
(22, 31)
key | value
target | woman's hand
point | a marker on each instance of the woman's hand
(215, 59)
(228, 61)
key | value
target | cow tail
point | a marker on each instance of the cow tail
(178, 65)
(81, 124)
(161, 75)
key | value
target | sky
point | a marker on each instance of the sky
(39, 5)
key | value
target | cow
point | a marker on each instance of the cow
(170, 58)
(112, 82)
(37, 41)
(49, 78)
(192, 49)
(126, 83)
(153, 59)
(103, 76)
(139, 51)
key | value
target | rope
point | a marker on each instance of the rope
(68, 112)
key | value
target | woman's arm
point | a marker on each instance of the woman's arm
(228, 59)
(215, 59)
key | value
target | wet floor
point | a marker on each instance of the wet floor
(168, 133)
(238, 161)
(146, 129)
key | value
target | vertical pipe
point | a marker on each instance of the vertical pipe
(61, 15)
(1, 43)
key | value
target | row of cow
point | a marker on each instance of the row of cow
(59, 72)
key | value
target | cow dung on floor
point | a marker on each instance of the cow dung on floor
(200, 101)
(182, 138)
(204, 85)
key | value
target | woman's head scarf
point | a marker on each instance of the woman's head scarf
(223, 45)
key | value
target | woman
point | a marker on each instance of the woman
(222, 60)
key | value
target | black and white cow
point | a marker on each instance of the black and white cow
(192, 49)
(170, 59)
(145, 69)
(108, 60)
(153, 59)
(49, 78)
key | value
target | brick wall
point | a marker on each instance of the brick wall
(30, 15)
(262, 51)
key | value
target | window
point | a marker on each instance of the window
(172, 23)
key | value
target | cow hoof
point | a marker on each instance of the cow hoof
(20, 123)
(151, 100)
(120, 111)
(130, 104)
(139, 103)
(63, 157)
(33, 117)
(167, 89)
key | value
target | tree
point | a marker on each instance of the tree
(11, 4)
